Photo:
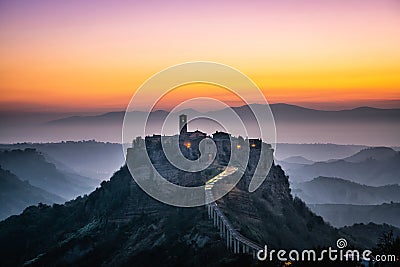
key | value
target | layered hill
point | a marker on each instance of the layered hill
(315, 152)
(369, 167)
(88, 158)
(16, 195)
(345, 214)
(375, 153)
(30, 165)
(325, 190)
(298, 160)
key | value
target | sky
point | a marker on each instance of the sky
(91, 56)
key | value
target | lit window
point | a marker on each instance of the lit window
(253, 145)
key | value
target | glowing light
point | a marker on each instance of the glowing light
(238, 146)
(188, 145)
(253, 145)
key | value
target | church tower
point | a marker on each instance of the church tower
(183, 124)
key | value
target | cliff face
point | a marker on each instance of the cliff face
(273, 217)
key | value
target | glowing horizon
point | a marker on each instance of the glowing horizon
(92, 55)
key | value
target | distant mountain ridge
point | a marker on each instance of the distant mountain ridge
(294, 124)
(360, 113)
(281, 111)
(109, 117)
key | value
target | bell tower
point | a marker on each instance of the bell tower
(182, 124)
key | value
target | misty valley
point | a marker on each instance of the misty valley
(59, 207)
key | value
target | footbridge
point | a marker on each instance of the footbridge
(235, 242)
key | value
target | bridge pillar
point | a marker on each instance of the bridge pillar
(224, 229)
(215, 218)
(234, 246)
(229, 240)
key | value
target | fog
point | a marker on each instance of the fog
(364, 126)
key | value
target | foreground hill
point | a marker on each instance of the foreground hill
(119, 225)
(325, 190)
(30, 165)
(366, 233)
(16, 195)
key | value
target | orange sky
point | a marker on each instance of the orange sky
(91, 56)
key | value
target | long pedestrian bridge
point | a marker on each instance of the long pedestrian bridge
(235, 242)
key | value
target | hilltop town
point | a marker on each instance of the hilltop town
(215, 151)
